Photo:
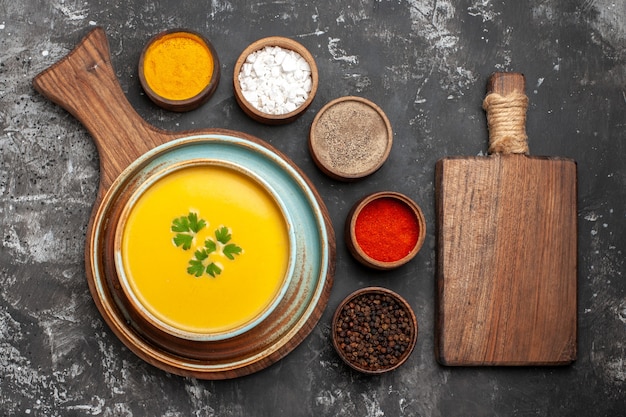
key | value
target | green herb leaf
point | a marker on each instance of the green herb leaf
(181, 225)
(222, 235)
(195, 268)
(194, 224)
(230, 250)
(183, 240)
(201, 254)
(210, 245)
(213, 270)
(186, 229)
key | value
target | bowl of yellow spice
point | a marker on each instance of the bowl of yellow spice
(179, 69)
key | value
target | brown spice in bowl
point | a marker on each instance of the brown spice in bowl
(350, 138)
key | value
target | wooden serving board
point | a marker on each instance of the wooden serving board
(84, 83)
(506, 267)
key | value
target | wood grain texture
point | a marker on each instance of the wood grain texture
(507, 260)
(505, 83)
(85, 84)
(506, 257)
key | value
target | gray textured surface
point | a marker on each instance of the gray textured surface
(425, 63)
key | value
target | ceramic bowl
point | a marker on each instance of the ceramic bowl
(259, 342)
(394, 246)
(202, 292)
(249, 108)
(186, 103)
(350, 138)
(374, 330)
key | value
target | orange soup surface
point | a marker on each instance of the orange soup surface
(205, 249)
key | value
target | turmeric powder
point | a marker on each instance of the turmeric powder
(178, 66)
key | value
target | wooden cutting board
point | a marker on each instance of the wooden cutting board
(507, 246)
(84, 83)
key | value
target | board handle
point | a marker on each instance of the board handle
(506, 104)
(84, 84)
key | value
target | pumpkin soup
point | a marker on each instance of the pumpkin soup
(204, 250)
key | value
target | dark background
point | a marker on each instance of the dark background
(425, 63)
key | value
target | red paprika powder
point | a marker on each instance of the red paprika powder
(386, 229)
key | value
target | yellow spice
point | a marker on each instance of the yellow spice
(178, 66)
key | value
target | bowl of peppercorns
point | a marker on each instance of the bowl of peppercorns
(374, 330)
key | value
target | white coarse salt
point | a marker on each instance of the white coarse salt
(275, 80)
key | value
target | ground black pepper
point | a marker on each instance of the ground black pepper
(351, 137)
(374, 331)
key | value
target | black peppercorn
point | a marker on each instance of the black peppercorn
(381, 333)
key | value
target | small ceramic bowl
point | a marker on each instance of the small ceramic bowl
(350, 138)
(176, 69)
(251, 109)
(385, 230)
(239, 349)
(374, 330)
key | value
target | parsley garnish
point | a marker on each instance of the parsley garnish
(222, 235)
(196, 267)
(184, 240)
(230, 250)
(186, 229)
(210, 245)
(213, 270)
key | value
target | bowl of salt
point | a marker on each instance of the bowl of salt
(275, 80)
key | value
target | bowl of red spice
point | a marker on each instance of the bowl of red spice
(374, 330)
(385, 230)
(179, 69)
